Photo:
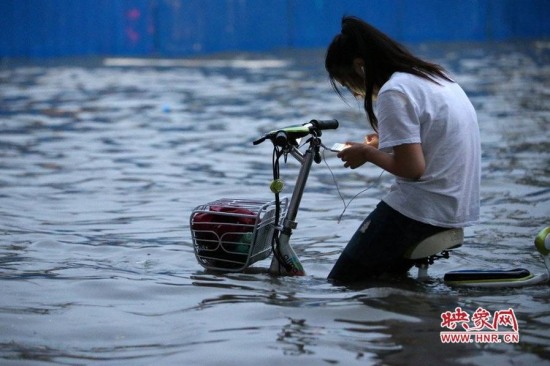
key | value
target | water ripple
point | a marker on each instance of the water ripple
(102, 164)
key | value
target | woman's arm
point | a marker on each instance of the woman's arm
(406, 161)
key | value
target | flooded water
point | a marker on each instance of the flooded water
(104, 160)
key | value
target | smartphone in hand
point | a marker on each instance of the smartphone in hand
(338, 147)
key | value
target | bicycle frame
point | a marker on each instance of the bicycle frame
(289, 222)
(286, 139)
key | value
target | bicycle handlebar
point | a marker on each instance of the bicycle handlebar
(330, 124)
(279, 137)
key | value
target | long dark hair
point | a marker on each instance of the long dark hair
(382, 56)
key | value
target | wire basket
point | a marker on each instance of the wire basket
(231, 234)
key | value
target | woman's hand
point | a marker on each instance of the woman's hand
(406, 161)
(372, 140)
(355, 154)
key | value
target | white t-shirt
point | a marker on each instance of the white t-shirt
(441, 118)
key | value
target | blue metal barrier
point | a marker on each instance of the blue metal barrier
(46, 28)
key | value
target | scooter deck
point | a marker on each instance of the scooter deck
(494, 278)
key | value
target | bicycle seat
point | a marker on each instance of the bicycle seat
(437, 243)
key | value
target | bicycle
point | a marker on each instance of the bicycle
(229, 235)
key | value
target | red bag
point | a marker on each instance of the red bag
(224, 223)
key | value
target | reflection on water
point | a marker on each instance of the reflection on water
(103, 161)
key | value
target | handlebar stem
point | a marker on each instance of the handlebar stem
(297, 154)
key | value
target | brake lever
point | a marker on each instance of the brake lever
(259, 141)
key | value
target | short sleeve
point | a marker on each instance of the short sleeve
(398, 121)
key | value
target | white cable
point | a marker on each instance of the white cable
(346, 205)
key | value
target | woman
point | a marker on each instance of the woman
(426, 135)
